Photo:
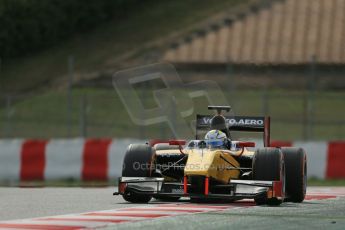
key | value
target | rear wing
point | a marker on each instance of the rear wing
(238, 123)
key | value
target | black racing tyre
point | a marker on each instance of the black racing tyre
(268, 165)
(296, 173)
(137, 163)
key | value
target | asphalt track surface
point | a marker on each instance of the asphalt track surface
(75, 208)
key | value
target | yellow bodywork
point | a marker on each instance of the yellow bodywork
(215, 164)
(218, 164)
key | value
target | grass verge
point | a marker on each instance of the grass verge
(101, 113)
(329, 182)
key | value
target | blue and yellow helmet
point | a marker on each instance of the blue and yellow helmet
(215, 139)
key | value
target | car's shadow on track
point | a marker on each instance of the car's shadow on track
(201, 202)
(291, 205)
(238, 203)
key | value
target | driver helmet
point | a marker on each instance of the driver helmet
(215, 139)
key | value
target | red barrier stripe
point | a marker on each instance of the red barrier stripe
(40, 226)
(281, 144)
(32, 160)
(126, 214)
(95, 159)
(336, 160)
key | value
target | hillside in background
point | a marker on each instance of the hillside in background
(105, 46)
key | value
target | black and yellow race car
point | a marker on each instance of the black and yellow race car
(169, 170)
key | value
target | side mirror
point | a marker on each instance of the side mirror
(243, 144)
(177, 142)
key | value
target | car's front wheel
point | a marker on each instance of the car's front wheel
(268, 165)
(137, 163)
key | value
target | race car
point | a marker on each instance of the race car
(215, 167)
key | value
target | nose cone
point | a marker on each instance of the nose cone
(200, 162)
(216, 164)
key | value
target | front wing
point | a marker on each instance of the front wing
(238, 189)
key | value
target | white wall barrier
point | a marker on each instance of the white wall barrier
(101, 159)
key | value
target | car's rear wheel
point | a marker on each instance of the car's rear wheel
(296, 173)
(268, 165)
(137, 163)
